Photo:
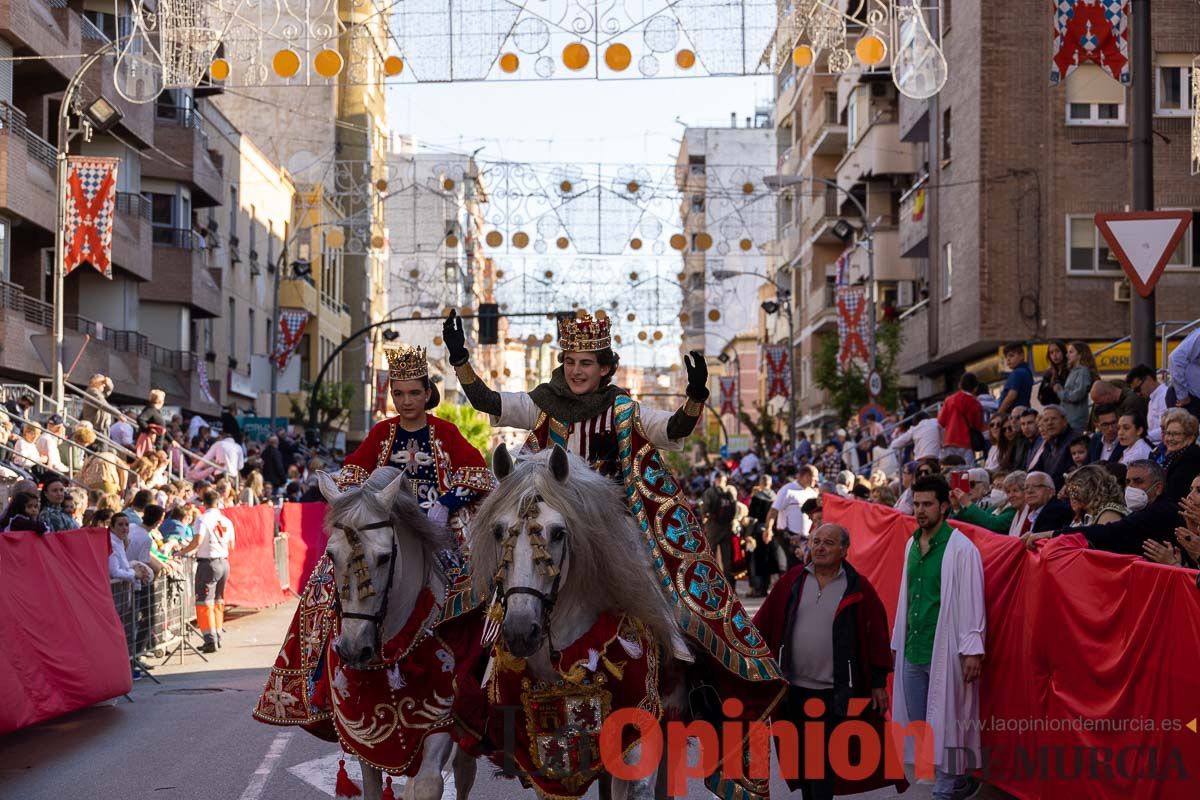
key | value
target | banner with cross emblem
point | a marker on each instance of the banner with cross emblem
(291, 328)
(91, 198)
(728, 395)
(854, 325)
(1091, 31)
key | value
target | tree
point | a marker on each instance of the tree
(760, 429)
(847, 387)
(333, 403)
(474, 426)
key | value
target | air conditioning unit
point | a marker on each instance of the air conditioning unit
(1122, 291)
(905, 294)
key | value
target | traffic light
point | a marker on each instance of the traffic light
(489, 323)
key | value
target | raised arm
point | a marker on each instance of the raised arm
(482, 397)
(684, 420)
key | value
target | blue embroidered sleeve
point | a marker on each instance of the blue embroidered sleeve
(457, 497)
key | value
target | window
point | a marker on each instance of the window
(232, 326)
(1086, 249)
(831, 108)
(852, 116)
(696, 165)
(233, 217)
(946, 136)
(206, 330)
(271, 243)
(268, 339)
(945, 16)
(1187, 252)
(165, 219)
(4, 273)
(947, 269)
(698, 203)
(253, 234)
(250, 343)
(1094, 98)
(1174, 86)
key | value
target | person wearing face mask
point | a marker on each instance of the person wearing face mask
(1156, 522)
(1000, 518)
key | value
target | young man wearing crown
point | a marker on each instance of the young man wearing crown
(575, 409)
(446, 472)
(582, 411)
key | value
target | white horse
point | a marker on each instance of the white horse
(551, 507)
(380, 526)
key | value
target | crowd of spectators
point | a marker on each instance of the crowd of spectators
(1115, 461)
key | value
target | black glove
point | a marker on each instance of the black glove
(697, 374)
(455, 339)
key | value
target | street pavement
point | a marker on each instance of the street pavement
(192, 738)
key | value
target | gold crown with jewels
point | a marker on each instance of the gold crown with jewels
(582, 334)
(406, 363)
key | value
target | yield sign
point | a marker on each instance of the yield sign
(1143, 241)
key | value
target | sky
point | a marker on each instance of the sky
(637, 121)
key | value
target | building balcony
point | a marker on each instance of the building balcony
(889, 266)
(27, 170)
(46, 28)
(914, 221)
(914, 353)
(787, 92)
(914, 120)
(137, 119)
(26, 327)
(821, 211)
(181, 275)
(820, 313)
(175, 372)
(878, 153)
(790, 243)
(132, 247)
(789, 160)
(180, 135)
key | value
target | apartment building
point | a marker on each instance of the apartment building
(728, 220)
(999, 221)
(840, 155)
(437, 253)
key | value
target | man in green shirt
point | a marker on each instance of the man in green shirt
(942, 568)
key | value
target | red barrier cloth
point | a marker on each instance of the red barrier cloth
(304, 523)
(62, 646)
(253, 579)
(1092, 670)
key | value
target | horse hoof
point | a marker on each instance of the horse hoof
(427, 788)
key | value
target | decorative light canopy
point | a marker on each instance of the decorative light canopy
(874, 33)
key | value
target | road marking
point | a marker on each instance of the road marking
(321, 774)
(258, 783)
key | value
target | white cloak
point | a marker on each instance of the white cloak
(961, 629)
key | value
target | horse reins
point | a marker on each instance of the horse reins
(527, 519)
(359, 567)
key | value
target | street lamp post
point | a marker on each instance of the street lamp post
(785, 181)
(784, 301)
(65, 135)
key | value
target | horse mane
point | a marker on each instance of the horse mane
(361, 505)
(609, 568)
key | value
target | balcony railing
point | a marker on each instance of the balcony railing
(172, 359)
(121, 341)
(90, 32)
(133, 204)
(182, 116)
(181, 238)
(15, 120)
(13, 298)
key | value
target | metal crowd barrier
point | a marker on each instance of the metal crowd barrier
(158, 618)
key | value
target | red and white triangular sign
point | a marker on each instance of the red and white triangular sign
(1143, 242)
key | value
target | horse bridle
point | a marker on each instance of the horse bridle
(527, 519)
(377, 618)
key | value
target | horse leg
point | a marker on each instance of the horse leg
(427, 784)
(372, 780)
(640, 789)
(464, 774)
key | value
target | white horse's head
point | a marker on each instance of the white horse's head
(382, 547)
(557, 542)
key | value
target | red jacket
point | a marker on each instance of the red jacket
(862, 654)
(458, 463)
(960, 414)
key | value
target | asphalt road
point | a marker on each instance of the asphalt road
(192, 738)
